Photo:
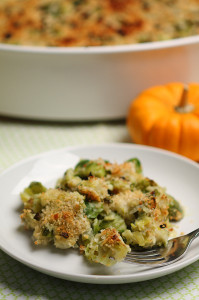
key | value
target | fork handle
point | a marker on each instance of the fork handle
(194, 234)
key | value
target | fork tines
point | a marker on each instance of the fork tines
(151, 256)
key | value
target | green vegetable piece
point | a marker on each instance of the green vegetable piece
(107, 248)
(33, 189)
(36, 187)
(175, 210)
(87, 168)
(107, 161)
(46, 232)
(96, 169)
(78, 2)
(137, 163)
(53, 9)
(82, 163)
(96, 226)
(113, 221)
(93, 209)
(143, 184)
(36, 207)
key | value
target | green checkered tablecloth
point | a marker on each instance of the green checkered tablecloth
(21, 139)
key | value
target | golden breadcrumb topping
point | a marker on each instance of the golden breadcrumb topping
(65, 23)
(61, 220)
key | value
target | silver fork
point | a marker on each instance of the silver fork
(175, 249)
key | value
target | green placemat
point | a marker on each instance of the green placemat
(21, 139)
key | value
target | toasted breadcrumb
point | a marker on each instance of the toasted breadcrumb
(62, 219)
(67, 23)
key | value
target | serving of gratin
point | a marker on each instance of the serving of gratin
(103, 209)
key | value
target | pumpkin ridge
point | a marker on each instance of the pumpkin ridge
(139, 129)
(165, 132)
(196, 112)
(189, 141)
(193, 94)
(153, 138)
(162, 96)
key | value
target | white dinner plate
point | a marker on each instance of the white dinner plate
(179, 175)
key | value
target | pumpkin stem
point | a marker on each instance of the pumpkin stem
(183, 106)
(183, 101)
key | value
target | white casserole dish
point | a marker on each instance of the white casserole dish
(91, 83)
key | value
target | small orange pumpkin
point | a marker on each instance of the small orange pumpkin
(167, 117)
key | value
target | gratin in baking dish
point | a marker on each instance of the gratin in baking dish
(89, 83)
